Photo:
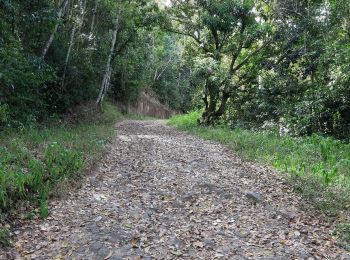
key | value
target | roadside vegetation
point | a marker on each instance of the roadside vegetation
(317, 166)
(42, 161)
(250, 67)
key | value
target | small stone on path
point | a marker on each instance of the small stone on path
(253, 196)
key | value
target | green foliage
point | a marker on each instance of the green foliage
(343, 231)
(186, 122)
(35, 161)
(164, 73)
(5, 237)
(170, 73)
(30, 215)
(23, 174)
(301, 83)
(224, 40)
(35, 86)
(317, 166)
(61, 162)
(255, 63)
(44, 209)
(4, 114)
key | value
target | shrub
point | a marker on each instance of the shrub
(36, 161)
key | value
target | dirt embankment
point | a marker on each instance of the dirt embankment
(147, 105)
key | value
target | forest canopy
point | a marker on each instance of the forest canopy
(261, 63)
(58, 54)
(246, 63)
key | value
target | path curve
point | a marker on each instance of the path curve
(163, 194)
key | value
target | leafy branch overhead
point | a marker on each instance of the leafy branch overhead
(227, 32)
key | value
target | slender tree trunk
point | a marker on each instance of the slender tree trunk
(210, 101)
(92, 27)
(71, 42)
(106, 78)
(221, 109)
(52, 35)
(205, 95)
(77, 25)
(155, 75)
(106, 84)
(81, 21)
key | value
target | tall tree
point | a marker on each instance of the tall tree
(78, 21)
(108, 71)
(226, 34)
(48, 43)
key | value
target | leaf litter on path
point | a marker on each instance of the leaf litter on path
(163, 194)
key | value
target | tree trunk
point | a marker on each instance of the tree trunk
(52, 35)
(105, 84)
(221, 109)
(92, 27)
(158, 73)
(211, 112)
(210, 101)
(106, 78)
(81, 21)
(77, 25)
(72, 35)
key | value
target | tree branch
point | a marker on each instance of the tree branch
(189, 35)
(246, 59)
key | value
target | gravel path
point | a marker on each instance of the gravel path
(163, 194)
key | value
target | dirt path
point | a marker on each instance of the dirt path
(162, 194)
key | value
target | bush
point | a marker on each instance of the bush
(4, 115)
(24, 176)
(186, 121)
(37, 160)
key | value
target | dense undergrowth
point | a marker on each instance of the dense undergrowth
(317, 166)
(38, 162)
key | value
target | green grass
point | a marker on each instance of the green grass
(318, 167)
(4, 237)
(39, 162)
(343, 231)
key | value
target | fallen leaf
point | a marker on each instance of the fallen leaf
(198, 244)
(109, 255)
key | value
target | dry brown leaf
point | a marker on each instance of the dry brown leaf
(109, 255)
(198, 244)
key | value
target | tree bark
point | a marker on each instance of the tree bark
(71, 41)
(77, 25)
(210, 100)
(82, 18)
(211, 114)
(52, 35)
(106, 78)
(162, 70)
(92, 27)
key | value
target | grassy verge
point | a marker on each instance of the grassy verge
(318, 167)
(40, 162)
